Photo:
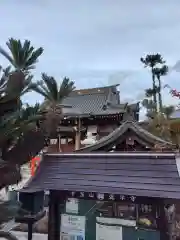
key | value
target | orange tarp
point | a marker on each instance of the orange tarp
(34, 163)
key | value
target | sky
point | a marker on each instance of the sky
(97, 42)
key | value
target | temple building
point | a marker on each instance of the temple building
(91, 113)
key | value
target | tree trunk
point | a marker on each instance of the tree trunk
(7, 235)
(154, 94)
(160, 96)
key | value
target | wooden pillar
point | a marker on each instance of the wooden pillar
(54, 218)
(78, 135)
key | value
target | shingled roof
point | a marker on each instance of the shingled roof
(137, 174)
(119, 134)
(97, 101)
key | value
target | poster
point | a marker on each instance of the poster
(72, 205)
(72, 227)
(106, 231)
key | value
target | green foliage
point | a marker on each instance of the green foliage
(22, 56)
(22, 135)
(158, 69)
(51, 91)
(161, 71)
(151, 60)
(16, 122)
(53, 97)
(23, 127)
(150, 92)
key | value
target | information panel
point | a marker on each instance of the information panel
(72, 227)
(105, 231)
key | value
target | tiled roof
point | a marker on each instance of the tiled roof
(87, 103)
(137, 174)
(95, 101)
(92, 101)
(117, 134)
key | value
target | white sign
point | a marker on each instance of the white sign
(106, 232)
(72, 205)
(72, 227)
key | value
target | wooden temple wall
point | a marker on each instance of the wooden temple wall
(102, 130)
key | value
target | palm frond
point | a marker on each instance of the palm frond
(22, 56)
(66, 87)
(42, 90)
(161, 71)
(149, 92)
(13, 125)
(6, 55)
(33, 59)
(51, 86)
(151, 60)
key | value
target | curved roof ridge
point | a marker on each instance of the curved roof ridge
(118, 132)
(95, 88)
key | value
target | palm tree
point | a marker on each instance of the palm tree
(18, 134)
(53, 97)
(151, 61)
(17, 124)
(159, 72)
(22, 56)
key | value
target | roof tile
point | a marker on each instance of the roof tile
(145, 174)
(92, 100)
